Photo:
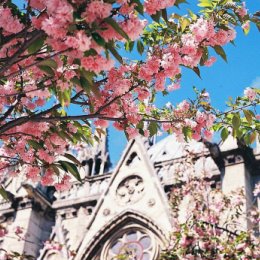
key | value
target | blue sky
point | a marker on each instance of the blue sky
(222, 80)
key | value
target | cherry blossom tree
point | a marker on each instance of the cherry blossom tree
(59, 56)
(210, 224)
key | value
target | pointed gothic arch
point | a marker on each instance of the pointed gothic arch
(129, 221)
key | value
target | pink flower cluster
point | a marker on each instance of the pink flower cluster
(3, 231)
(152, 6)
(8, 22)
(74, 64)
(201, 233)
(64, 184)
(166, 64)
(80, 41)
(97, 10)
(97, 63)
(133, 26)
(48, 178)
(250, 93)
(52, 245)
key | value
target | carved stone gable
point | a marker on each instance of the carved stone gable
(134, 187)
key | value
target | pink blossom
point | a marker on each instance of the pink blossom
(166, 126)
(101, 123)
(65, 184)
(202, 29)
(201, 117)
(174, 86)
(18, 230)
(80, 41)
(73, 129)
(53, 28)
(250, 93)
(133, 26)
(246, 26)
(97, 10)
(208, 134)
(242, 11)
(44, 155)
(118, 126)
(32, 173)
(210, 61)
(132, 132)
(52, 245)
(97, 63)
(3, 231)
(210, 120)
(152, 6)
(38, 4)
(47, 178)
(9, 23)
(184, 105)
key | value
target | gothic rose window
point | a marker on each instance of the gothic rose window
(136, 245)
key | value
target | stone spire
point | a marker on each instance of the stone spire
(95, 159)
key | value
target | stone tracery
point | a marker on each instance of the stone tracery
(130, 189)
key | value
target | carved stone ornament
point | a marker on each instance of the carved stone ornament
(151, 202)
(106, 212)
(130, 190)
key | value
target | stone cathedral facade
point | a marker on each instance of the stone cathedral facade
(127, 205)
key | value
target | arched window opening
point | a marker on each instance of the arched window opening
(132, 243)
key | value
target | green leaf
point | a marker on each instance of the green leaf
(34, 144)
(192, 15)
(187, 131)
(129, 45)
(49, 62)
(64, 135)
(223, 2)
(140, 47)
(72, 158)
(116, 27)
(248, 116)
(220, 51)
(205, 56)
(156, 17)
(153, 128)
(48, 70)
(3, 193)
(164, 15)
(85, 85)
(66, 96)
(55, 169)
(76, 81)
(178, 2)
(197, 71)
(224, 134)
(36, 45)
(138, 7)
(114, 52)
(98, 39)
(205, 3)
(72, 168)
(236, 122)
(184, 23)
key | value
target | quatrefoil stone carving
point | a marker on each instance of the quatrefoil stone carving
(130, 190)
